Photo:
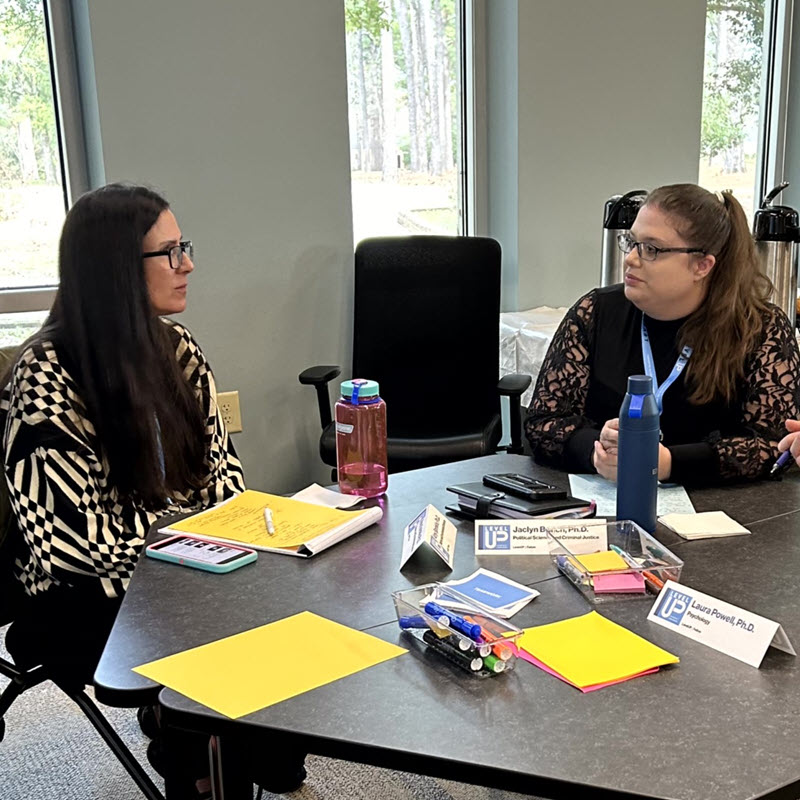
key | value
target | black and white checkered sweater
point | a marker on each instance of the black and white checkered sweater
(75, 530)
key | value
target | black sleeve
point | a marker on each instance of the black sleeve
(557, 428)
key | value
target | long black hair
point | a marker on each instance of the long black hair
(119, 352)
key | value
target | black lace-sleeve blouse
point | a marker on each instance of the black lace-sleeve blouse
(583, 379)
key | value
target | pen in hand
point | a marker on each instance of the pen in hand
(269, 521)
(782, 464)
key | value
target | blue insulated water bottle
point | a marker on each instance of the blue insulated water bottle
(637, 458)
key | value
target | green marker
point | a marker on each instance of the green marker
(494, 664)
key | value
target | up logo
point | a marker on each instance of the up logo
(673, 606)
(495, 537)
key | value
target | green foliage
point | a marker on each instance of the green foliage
(732, 85)
(25, 89)
(719, 131)
(368, 16)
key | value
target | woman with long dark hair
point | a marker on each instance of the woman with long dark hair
(110, 420)
(693, 312)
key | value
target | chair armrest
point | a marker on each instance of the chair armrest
(319, 377)
(512, 387)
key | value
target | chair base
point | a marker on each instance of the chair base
(22, 680)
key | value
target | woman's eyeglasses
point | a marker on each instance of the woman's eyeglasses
(649, 252)
(175, 254)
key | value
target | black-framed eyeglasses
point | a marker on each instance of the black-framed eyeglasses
(649, 252)
(175, 254)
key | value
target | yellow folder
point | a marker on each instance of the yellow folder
(591, 649)
(263, 666)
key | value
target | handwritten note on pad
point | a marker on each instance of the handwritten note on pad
(300, 528)
(591, 649)
(705, 525)
(243, 673)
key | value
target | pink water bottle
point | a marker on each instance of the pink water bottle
(360, 416)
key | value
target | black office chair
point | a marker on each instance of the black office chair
(427, 328)
(24, 679)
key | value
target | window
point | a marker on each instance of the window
(32, 197)
(733, 87)
(405, 94)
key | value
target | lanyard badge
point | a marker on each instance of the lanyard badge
(650, 367)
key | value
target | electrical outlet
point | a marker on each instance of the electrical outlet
(228, 403)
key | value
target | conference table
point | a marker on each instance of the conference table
(710, 728)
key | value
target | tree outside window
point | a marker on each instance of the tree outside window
(404, 98)
(732, 86)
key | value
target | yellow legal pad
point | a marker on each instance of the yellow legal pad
(604, 561)
(263, 666)
(242, 520)
(592, 649)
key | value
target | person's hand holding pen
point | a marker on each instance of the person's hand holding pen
(789, 447)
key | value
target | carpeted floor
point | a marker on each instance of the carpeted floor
(51, 752)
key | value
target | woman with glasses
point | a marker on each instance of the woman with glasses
(110, 421)
(693, 314)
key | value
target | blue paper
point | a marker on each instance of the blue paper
(491, 592)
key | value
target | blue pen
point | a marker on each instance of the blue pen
(782, 464)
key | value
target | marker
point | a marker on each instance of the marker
(413, 622)
(269, 521)
(626, 557)
(782, 464)
(656, 581)
(468, 646)
(452, 653)
(494, 664)
(453, 620)
(502, 651)
(573, 574)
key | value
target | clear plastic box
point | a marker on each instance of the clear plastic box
(644, 554)
(480, 653)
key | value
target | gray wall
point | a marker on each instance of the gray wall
(238, 112)
(610, 97)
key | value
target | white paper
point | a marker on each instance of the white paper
(704, 525)
(670, 498)
(529, 536)
(430, 531)
(320, 496)
(717, 624)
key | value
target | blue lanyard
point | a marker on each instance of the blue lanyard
(650, 367)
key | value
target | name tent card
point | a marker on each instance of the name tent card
(717, 624)
(430, 533)
(529, 537)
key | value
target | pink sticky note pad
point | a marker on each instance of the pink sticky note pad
(631, 582)
(526, 656)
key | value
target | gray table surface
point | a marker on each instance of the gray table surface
(707, 729)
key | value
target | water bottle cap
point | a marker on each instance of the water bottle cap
(366, 389)
(640, 384)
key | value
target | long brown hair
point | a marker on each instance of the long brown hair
(729, 322)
